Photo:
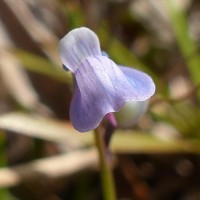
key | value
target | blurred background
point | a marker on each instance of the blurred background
(42, 157)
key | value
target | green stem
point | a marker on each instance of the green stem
(108, 185)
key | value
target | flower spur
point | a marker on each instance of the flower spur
(101, 87)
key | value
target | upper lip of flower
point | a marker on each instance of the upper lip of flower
(101, 86)
(77, 45)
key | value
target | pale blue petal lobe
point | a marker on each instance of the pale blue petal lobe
(77, 45)
(101, 88)
(142, 83)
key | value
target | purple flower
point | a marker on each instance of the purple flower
(101, 86)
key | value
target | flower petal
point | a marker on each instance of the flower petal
(101, 88)
(143, 84)
(77, 45)
(131, 113)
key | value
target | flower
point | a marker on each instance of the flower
(101, 87)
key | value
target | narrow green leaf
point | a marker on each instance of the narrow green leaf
(186, 43)
(43, 66)
(129, 141)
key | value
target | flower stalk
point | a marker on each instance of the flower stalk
(107, 179)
